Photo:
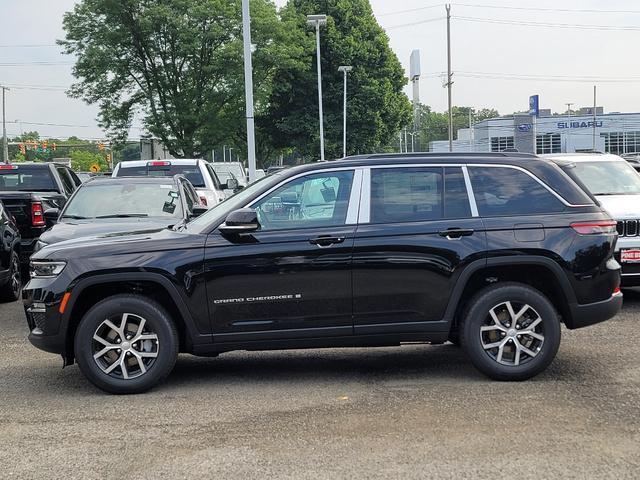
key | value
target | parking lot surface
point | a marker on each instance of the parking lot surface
(408, 412)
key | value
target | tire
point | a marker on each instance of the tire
(12, 290)
(539, 325)
(127, 365)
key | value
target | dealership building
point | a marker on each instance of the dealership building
(617, 133)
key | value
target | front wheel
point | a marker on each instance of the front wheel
(126, 344)
(511, 331)
(12, 289)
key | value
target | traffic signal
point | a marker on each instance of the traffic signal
(101, 146)
(23, 149)
(54, 147)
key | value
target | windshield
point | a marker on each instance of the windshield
(226, 172)
(124, 200)
(608, 178)
(192, 172)
(219, 212)
(26, 178)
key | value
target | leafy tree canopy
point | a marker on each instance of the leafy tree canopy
(377, 107)
(176, 64)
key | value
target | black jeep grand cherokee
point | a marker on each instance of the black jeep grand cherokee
(489, 250)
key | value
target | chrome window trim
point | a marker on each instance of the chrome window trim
(470, 192)
(527, 172)
(364, 216)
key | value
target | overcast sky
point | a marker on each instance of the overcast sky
(561, 64)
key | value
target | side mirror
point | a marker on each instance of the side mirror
(198, 210)
(244, 220)
(51, 215)
(232, 184)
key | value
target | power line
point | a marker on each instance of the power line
(30, 46)
(410, 10)
(36, 64)
(415, 23)
(60, 125)
(549, 25)
(539, 9)
(535, 77)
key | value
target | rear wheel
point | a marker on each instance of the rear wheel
(12, 289)
(126, 344)
(511, 331)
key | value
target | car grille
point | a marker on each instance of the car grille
(629, 228)
(36, 320)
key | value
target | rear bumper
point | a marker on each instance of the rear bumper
(592, 313)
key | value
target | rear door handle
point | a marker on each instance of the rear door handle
(456, 233)
(326, 240)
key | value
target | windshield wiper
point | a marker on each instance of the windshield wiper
(124, 215)
(75, 217)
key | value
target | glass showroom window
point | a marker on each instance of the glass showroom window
(549, 143)
(499, 144)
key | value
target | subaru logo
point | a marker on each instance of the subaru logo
(524, 127)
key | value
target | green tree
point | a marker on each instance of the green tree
(177, 64)
(435, 125)
(377, 106)
(82, 160)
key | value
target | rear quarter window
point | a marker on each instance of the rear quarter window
(503, 191)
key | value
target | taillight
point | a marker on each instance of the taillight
(617, 291)
(204, 201)
(595, 228)
(37, 216)
(8, 167)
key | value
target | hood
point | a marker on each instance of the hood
(102, 228)
(621, 207)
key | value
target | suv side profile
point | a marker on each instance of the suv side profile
(492, 251)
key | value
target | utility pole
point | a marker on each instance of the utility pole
(5, 145)
(472, 133)
(213, 156)
(449, 75)
(248, 90)
(224, 153)
(230, 157)
(406, 144)
(594, 117)
(318, 21)
(345, 69)
(569, 129)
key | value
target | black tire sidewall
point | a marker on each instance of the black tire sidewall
(158, 321)
(479, 309)
(7, 293)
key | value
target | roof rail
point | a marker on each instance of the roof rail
(386, 156)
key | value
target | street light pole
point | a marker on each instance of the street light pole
(5, 145)
(569, 104)
(345, 69)
(317, 21)
(248, 89)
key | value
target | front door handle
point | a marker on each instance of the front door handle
(456, 233)
(326, 240)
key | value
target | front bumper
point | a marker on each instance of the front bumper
(592, 313)
(630, 271)
(47, 327)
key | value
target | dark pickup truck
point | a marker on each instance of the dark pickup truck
(28, 190)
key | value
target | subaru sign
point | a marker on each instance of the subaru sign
(563, 125)
(534, 105)
(524, 127)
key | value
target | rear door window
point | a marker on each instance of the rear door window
(502, 191)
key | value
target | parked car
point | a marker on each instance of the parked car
(616, 185)
(107, 206)
(198, 172)
(28, 190)
(10, 269)
(231, 170)
(275, 169)
(85, 176)
(633, 159)
(489, 250)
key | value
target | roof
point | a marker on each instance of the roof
(583, 157)
(131, 180)
(172, 161)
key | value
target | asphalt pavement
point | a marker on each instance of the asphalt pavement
(407, 412)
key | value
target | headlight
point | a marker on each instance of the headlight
(46, 269)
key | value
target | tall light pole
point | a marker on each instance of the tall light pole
(5, 145)
(317, 21)
(345, 69)
(248, 89)
(449, 76)
(569, 104)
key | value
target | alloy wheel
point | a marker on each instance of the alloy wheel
(512, 334)
(16, 278)
(125, 347)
